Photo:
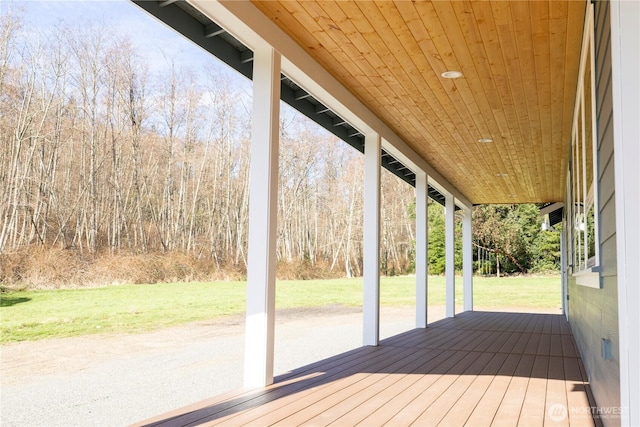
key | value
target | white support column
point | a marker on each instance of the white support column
(422, 261)
(450, 264)
(625, 44)
(261, 270)
(467, 260)
(563, 274)
(371, 274)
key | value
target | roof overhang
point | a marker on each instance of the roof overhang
(519, 61)
(236, 50)
(376, 66)
(555, 212)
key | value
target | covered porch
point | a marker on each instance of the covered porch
(471, 103)
(478, 368)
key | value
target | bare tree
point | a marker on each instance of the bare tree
(100, 153)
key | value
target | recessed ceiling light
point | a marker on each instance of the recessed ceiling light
(452, 74)
(485, 140)
(513, 195)
(502, 174)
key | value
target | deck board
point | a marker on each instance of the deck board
(446, 400)
(508, 412)
(479, 368)
(533, 407)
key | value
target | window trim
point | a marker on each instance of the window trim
(586, 270)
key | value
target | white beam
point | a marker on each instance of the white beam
(263, 192)
(450, 262)
(625, 45)
(551, 208)
(247, 23)
(467, 260)
(422, 261)
(371, 274)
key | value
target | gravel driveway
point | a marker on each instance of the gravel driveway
(117, 380)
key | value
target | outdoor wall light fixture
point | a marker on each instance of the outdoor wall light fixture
(546, 226)
(451, 74)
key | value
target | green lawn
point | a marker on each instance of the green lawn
(133, 308)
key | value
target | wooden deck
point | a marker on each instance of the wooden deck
(477, 369)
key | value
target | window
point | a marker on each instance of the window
(582, 179)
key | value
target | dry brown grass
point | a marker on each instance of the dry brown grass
(305, 270)
(42, 268)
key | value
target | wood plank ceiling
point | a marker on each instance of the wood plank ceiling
(519, 61)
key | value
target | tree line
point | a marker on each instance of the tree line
(102, 154)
